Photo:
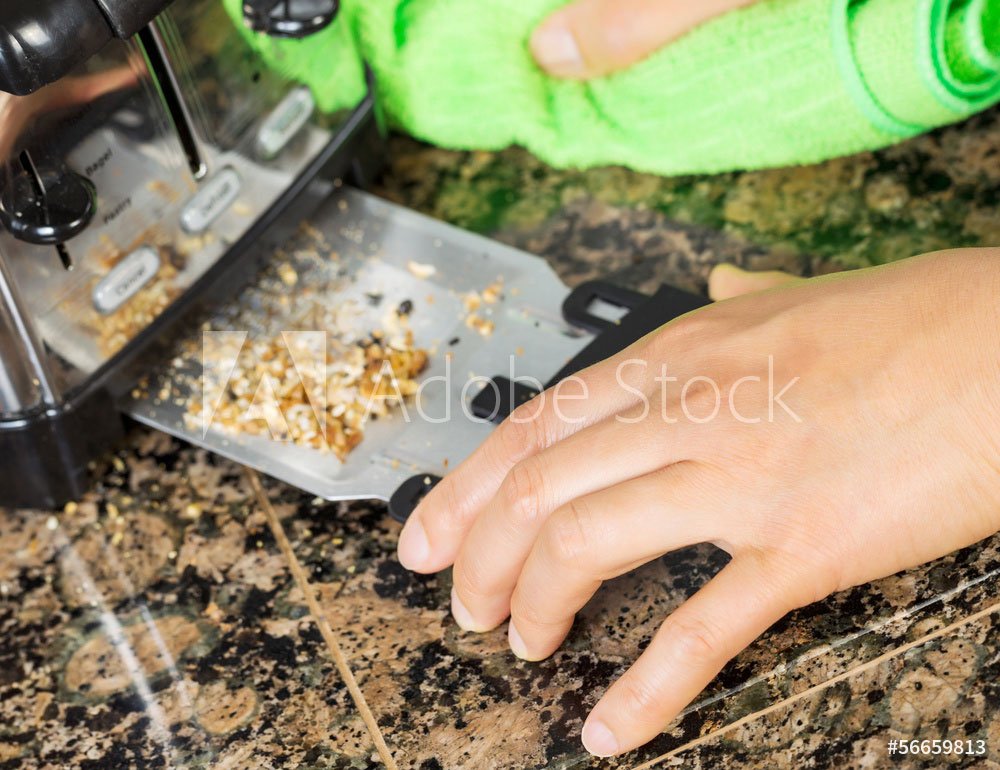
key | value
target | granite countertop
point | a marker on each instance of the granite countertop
(158, 622)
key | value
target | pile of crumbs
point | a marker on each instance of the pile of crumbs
(369, 367)
(324, 409)
(474, 301)
(316, 388)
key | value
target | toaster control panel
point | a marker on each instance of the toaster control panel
(125, 279)
(284, 123)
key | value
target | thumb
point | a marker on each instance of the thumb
(727, 281)
(590, 38)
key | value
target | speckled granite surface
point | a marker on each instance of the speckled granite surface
(156, 623)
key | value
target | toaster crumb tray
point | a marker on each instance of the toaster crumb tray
(454, 310)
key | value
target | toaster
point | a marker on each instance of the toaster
(152, 172)
(145, 159)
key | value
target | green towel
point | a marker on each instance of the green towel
(781, 82)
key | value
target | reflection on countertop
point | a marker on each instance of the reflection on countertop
(156, 623)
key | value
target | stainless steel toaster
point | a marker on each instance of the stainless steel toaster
(150, 165)
(145, 159)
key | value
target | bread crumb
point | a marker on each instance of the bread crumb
(484, 326)
(287, 274)
(421, 270)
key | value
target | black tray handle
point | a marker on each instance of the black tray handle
(646, 314)
(576, 307)
(405, 500)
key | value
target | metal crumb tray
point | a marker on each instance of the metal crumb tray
(370, 245)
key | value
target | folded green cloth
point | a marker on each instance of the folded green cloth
(778, 83)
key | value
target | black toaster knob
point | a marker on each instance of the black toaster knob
(46, 205)
(289, 18)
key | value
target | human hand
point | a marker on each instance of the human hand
(590, 38)
(881, 454)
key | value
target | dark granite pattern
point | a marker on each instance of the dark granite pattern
(156, 623)
(942, 689)
(934, 192)
(139, 629)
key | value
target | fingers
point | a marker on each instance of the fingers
(590, 38)
(497, 544)
(696, 641)
(603, 535)
(727, 281)
(432, 536)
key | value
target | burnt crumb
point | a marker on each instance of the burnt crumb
(374, 298)
(405, 307)
(454, 341)
(173, 257)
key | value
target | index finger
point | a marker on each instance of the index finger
(434, 532)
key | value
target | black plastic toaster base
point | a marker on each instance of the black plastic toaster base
(46, 458)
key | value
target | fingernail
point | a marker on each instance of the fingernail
(414, 548)
(598, 739)
(556, 50)
(517, 645)
(461, 614)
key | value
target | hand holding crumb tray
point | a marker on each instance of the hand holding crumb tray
(641, 528)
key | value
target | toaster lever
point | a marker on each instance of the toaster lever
(127, 17)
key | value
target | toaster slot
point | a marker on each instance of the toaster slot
(166, 84)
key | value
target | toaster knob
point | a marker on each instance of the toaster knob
(289, 18)
(46, 206)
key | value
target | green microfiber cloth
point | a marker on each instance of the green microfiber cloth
(781, 82)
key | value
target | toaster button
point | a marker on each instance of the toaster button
(125, 279)
(215, 196)
(284, 122)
